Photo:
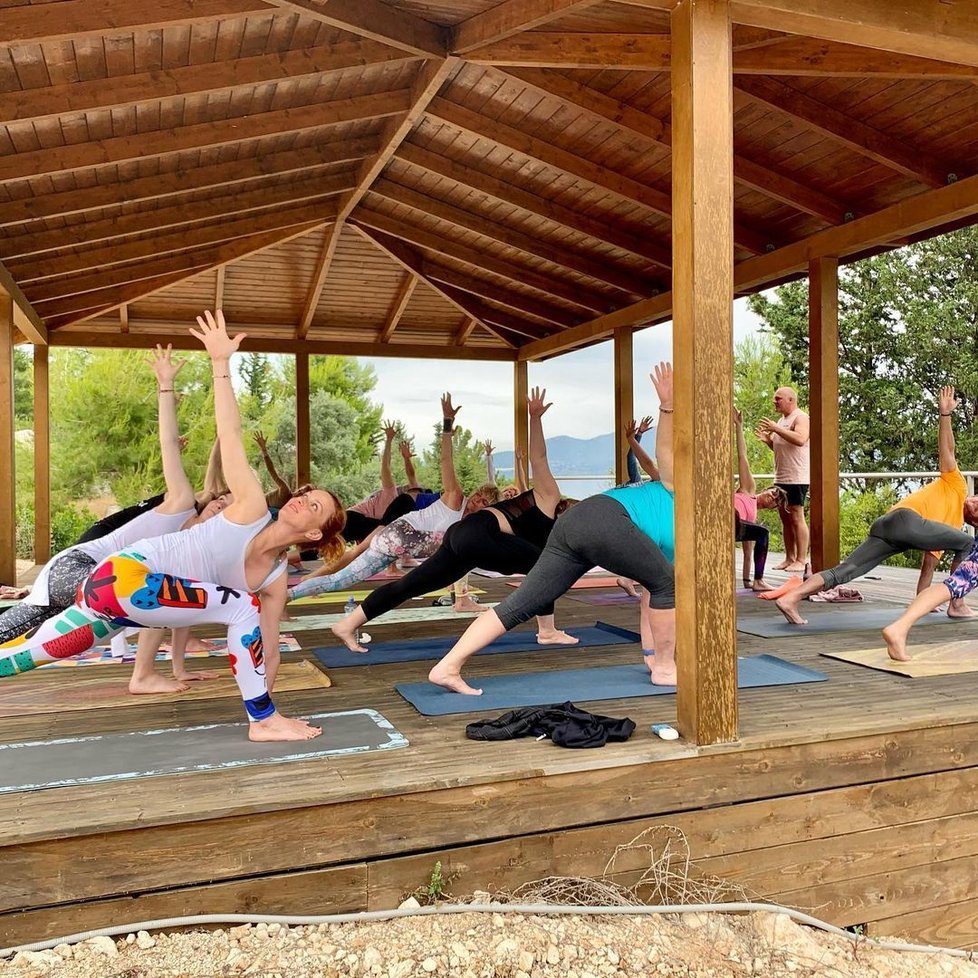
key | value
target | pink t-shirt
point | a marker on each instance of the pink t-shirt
(375, 505)
(745, 506)
(791, 462)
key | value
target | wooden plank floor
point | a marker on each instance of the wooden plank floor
(864, 754)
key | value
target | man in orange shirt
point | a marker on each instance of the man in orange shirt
(929, 520)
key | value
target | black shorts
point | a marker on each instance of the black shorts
(796, 492)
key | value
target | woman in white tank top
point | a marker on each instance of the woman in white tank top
(228, 570)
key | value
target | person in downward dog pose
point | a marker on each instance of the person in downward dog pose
(418, 534)
(229, 570)
(507, 537)
(929, 520)
(629, 531)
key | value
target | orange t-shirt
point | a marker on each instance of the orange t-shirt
(941, 500)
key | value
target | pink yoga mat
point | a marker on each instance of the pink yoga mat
(584, 582)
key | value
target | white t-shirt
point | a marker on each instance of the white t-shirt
(417, 534)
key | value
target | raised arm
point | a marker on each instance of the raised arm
(451, 490)
(405, 449)
(662, 382)
(386, 475)
(634, 432)
(946, 404)
(249, 497)
(214, 484)
(490, 468)
(546, 492)
(284, 490)
(745, 476)
(179, 492)
(519, 472)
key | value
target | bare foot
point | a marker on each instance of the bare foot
(194, 677)
(278, 728)
(347, 637)
(663, 675)
(761, 585)
(958, 609)
(155, 683)
(452, 680)
(788, 607)
(556, 637)
(198, 645)
(796, 567)
(628, 586)
(782, 565)
(465, 603)
(896, 643)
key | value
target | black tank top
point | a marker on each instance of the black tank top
(526, 519)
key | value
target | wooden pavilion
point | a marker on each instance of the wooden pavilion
(506, 181)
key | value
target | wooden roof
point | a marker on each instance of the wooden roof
(428, 178)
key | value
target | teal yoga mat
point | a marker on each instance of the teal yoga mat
(585, 685)
(824, 620)
(601, 633)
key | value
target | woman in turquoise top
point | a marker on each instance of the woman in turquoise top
(629, 531)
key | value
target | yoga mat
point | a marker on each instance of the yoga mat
(33, 765)
(95, 691)
(332, 597)
(398, 616)
(102, 655)
(605, 600)
(822, 620)
(583, 685)
(584, 583)
(950, 659)
(434, 648)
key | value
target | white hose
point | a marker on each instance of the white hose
(456, 908)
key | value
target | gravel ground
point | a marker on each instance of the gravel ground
(493, 945)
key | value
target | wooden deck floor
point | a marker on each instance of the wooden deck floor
(856, 799)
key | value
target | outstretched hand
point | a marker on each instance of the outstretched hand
(947, 403)
(535, 404)
(447, 409)
(404, 448)
(390, 430)
(644, 425)
(661, 377)
(487, 447)
(214, 335)
(162, 364)
(738, 417)
(631, 429)
(261, 442)
(767, 426)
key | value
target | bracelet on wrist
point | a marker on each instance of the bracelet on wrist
(943, 415)
(222, 376)
(446, 425)
(166, 390)
(663, 410)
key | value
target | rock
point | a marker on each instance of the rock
(145, 940)
(400, 969)
(240, 931)
(553, 954)
(507, 946)
(430, 965)
(613, 956)
(103, 945)
(372, 958)
(65, 951)
(481, 897)
(525, 961)
(410, 904)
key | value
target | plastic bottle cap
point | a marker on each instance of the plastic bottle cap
(665, 732)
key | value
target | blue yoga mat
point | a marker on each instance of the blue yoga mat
(583, 685)
(825, 620)
(601, 633)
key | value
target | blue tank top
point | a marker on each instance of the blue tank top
(651, 508)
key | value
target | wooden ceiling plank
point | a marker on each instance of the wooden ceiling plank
(124, 317)
(925, 28)
(844, 129)
(271, 166)
(613, 52)
(377, 21)
(508, 18)
(323, 263)
(151, 86)
(25, 317)
(121, 149)
(397, 308)
(219, 286)
(71, 20)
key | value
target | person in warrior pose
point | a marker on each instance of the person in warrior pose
(929, 520)
(629, 531)
(418, 534)
(507, 537)
(229, 570)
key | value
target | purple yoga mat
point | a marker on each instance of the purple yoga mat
(603, 600)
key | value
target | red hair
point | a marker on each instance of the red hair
(332, 544)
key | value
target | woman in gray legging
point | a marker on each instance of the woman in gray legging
(629, 531)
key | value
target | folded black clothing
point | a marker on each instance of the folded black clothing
(563, 723)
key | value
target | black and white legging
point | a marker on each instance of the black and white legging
(476, 541)
(894, 533)
(64, 577)
(597, 532)
(760, 535)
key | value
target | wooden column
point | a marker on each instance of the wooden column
(823, 369)
(702, 241)
(303, 466)
(521, 425)
(42, 457)
(8, 483)
(624, 398)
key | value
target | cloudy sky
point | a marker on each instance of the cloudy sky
(581, 386)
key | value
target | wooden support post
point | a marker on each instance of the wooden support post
(823, 370)
(521, 424)
(303, 467)
(8, 483)
(42, 456)
(624, 398)
(702, 241)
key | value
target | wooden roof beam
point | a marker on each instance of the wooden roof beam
(120, 91)
(401, 300)
(614, 52)
(323, 263)
(464, 331)
(508, 18)
(26, 318)
(925, 28)
(855, 135)
(377, 21)
(121, 149)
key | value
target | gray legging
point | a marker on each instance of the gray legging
(894, 533)
(596, 532)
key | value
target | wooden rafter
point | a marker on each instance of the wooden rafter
(25, 317)
(508, 18)
(73, 19)
(401, 300)
(219, 286)
(121, 149)
(124, 317)
(262, 167)
(377, 21)
(323, 263)
(844, 129)
(615, 52)
(465, 331)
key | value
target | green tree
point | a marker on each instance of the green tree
(258, 378)
(759, 370)
(23, 388)
(470, 465)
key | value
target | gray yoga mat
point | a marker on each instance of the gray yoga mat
(33, 765)
(833, 619)
(576, 685)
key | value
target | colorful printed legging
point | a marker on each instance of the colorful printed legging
(964, 579)
(125, 591)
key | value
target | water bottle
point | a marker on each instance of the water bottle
(349, 608)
